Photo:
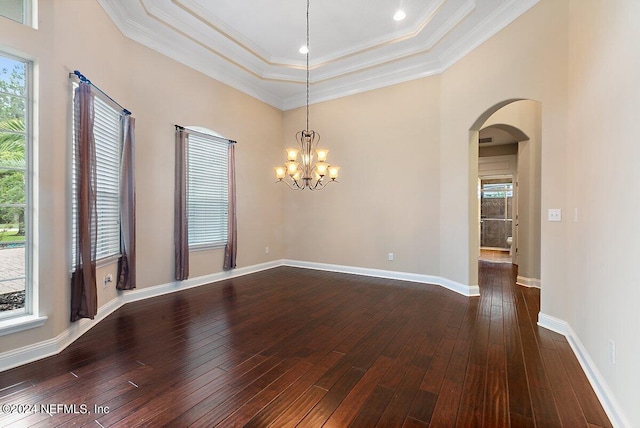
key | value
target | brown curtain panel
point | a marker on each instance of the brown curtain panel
(127, 265)
(181, 236)
(84, 300)
(231, 249)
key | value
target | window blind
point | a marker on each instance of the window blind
(207, 190)
(107, 134)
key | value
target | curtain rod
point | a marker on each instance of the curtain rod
(84, 79)
(193, 131)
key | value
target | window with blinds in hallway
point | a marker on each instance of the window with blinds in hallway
(107, 130)
(207, 191)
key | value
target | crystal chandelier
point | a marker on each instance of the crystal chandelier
(300, 172)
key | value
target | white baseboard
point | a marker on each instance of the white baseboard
(465, 290)
(599, 385)
(528, 282)
(47, 348)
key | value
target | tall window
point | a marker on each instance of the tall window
(16, 10)
(107, 133)
(207, 190)
(15, 173)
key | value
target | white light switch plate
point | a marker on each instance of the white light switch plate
(555, 214)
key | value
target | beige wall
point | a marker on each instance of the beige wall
(160, 93)
(386, 142)
(603, 184)
(421, 131)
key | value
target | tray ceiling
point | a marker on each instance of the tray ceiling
(355, 45)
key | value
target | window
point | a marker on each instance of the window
(107, 131)
(16, 10)
(207, 190)
(15, 197)
(496, 217)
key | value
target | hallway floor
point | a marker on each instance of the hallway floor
(495, 256)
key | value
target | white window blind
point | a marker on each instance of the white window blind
(15, 10)
(107, 134)
(207, 190)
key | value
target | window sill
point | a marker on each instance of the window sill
(204, 247)
(108, 260)
(17, 324)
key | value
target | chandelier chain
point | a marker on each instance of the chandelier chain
(308, 48)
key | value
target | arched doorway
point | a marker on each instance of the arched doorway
(521, 121)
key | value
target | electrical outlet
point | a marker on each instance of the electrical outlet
(266, 250)
(555, 214)
(107, 279)
(390, 257)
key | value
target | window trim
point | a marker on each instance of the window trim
(21, 323)
(29, 14)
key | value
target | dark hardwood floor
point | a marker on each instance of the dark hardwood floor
(294, 347)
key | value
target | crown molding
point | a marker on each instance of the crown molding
(358, 83)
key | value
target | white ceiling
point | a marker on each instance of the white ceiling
(355, 45)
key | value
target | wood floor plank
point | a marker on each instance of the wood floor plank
(298, 347)
(245, 393)
(519, 397)
(354, 401)
(571, 414)
(373, 408)
(281, 404)
(422, 407)
(245, 412)
(593, 412)
(398, 408)
(496, 411)
(471, 410)
(433, 378)
(332, 399)
(299, 408)
(445, 412)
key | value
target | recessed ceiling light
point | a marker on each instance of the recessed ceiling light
(303, 49)
(400, 15)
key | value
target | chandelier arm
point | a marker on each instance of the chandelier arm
(294, 186)
(322, 185)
